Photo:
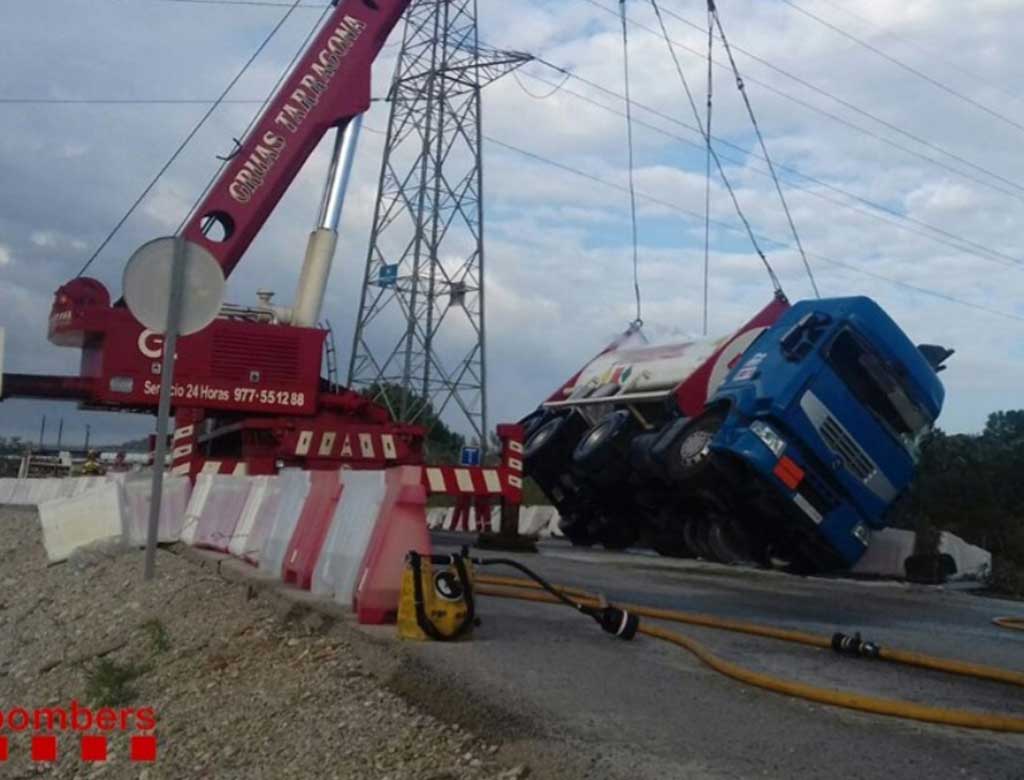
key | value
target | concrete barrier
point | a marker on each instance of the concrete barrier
(70, 523)
(349, 535)
(294, 487)
(174, 501)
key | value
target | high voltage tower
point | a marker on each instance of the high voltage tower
(421, 315)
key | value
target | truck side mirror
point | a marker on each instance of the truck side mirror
(935, 355)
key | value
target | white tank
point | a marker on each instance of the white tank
(646, 369)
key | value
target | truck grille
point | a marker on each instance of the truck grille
(840, 442)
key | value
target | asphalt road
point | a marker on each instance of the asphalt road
(649, 709)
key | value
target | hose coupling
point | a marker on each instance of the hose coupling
(617, 622)
(845, 644)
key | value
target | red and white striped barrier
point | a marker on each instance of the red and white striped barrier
(401, 526)
(349, 535)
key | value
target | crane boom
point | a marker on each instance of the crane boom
(327, 88)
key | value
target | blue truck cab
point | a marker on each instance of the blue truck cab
(826, 410)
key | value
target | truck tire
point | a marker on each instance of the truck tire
(727, 542)
(550, 446)
(601, 453)
(617, 534)
(671, 545)
(689, 456)
(695, 534)
(577, 531)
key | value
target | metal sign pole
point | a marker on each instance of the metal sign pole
(164, 407)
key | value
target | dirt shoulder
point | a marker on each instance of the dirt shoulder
(242, 682)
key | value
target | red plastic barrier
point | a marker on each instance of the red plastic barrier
(311, 530)
(401, 527)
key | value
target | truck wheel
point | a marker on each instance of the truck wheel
(727, 542)
(534, 421)
(543, 437)
(599, 448)
(577, 531)
(671, 545)
(690, 455)
(617, 535)
(695, 537)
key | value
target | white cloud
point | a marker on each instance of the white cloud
(558, 252)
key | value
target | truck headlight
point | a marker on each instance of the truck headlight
(863, 533)
(769, 437)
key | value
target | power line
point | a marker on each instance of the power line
(629, 147)
(735, 228)
(949, 239)
(707, 175)
(904, 66)
(188, 138)
(256, 115)
(932, 53)
(699, 129)
(1018, 194)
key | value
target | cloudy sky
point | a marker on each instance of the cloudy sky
(905, 179)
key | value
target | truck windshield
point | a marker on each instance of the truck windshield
(879, 389)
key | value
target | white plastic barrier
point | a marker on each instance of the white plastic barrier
(349, 535)
(436, 517)
(7, 486)
(84, 484)
(972, 562)
(174, 501)
(20, 496)
(536, 520)
(294, 487)
(70, 523)
(260, 507)
(222, 505)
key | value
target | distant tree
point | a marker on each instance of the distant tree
(973, 486)
(443, 445)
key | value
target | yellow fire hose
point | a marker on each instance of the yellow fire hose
(516, 588)
(1017, 624)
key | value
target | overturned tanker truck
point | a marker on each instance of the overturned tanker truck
(787, 442)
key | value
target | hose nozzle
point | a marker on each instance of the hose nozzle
(854, 645)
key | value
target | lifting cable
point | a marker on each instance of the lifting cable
(711, 150)
(181, 147)
(707, 174)
(629, 145)
(713, 14)
(515, 588)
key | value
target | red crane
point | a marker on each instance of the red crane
(248, 392)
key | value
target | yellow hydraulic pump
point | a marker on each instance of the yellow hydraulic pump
(436, 600)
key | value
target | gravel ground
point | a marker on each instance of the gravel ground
(241, 685)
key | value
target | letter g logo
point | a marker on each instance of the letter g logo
(151, 344)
